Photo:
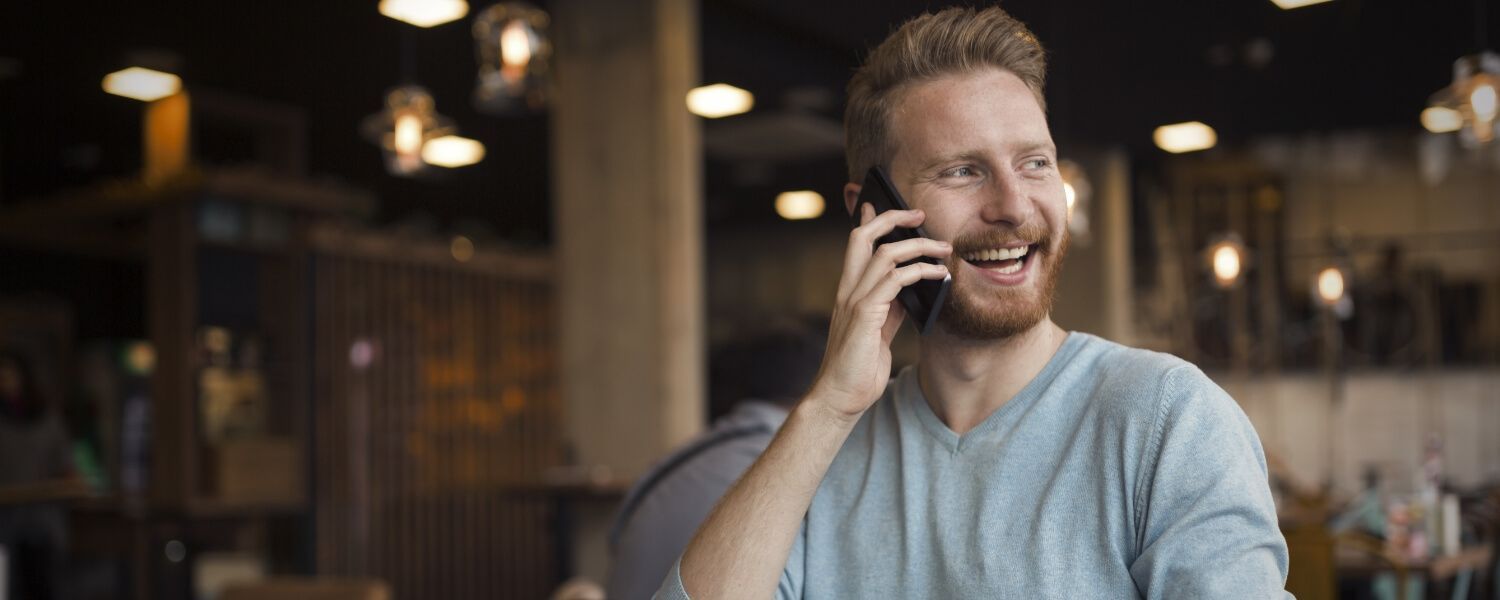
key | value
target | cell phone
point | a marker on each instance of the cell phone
(924, 299)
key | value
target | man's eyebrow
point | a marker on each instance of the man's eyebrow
(1037, 146)
(976, 156)
(963, 156)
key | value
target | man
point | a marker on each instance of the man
(1015, 459)
(768, 372)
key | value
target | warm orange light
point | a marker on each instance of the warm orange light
(1484, 101)
(142, 84)
(1072, 196)
(1226, 263)
(424, 13)
(515, 44)
(462, 248)
(1291, 4)
(1441, 119)
(798, 205)
(1331, 285)
(719, 100)
(452, 151)
(1185, 137)
(408, 141)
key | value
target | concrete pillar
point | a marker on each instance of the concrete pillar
(1116, 247)
(1094, 292)
(626, 181)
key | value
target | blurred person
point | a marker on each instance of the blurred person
(34, 451)
(769, 373)
(1015, 459)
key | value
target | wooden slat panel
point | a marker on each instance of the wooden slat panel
(419, 453)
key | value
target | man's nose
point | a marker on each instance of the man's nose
(1006, 201)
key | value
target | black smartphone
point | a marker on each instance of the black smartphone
(923, 300)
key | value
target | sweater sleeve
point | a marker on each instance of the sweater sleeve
(789, 588)
(1205, 524)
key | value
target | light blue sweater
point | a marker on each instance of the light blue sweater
(1115, 473)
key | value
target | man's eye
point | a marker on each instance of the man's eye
(961, 172)
(1038, 163)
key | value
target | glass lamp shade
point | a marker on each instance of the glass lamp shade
(1472, 102)
(408, 122)
(515, 57)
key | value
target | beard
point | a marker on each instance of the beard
(976, 311)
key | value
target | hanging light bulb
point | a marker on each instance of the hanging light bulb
(514, 57)
(408, 122)
(1226, 259)
(1471, 104)
(1330, 285)
(1076, 191)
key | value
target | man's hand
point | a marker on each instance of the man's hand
(743, 547)
(866, 316)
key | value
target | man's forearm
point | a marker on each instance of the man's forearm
(741, 550)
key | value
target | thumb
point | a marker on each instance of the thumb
(893, 319)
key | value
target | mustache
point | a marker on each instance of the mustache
(1032, 233)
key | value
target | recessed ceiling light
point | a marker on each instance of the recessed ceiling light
(1291, 4)
(719, 100)
(452, 151)
(1185, 137)
(142, 84)
(799, 205)
(424, 13)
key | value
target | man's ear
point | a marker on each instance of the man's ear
(851, 197)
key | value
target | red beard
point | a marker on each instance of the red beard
(974, 313)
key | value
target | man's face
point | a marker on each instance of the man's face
(974, 153)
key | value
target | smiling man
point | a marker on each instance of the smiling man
(1015, 459)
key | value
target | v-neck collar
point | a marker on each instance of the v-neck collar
(910, 390)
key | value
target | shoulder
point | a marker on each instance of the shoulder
(1143, 386)
(1118, 364)
(1131, 379)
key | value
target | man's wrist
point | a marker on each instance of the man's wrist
(818, 407)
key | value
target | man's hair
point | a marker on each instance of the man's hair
(955, 40)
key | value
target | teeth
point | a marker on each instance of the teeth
(998, 254)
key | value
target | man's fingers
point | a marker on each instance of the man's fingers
(885, 291)
(862, 241)
(887, 256)
(893, 321)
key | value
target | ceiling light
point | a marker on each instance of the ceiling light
(1440, 119)
(462, 248)
(142, 84)
(514, 52)
(452, 151)
(1076, 191)
(404, 129)
(1227, 261)
(424, 13)
(1331, 285)
(799, 205)
(719, 100)
(1185, 137)
(1470, 105)
(1291, 4)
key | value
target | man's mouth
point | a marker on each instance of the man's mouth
(1005, 261)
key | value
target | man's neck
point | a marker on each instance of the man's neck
(966, 380)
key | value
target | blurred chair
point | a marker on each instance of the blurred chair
(310, 588)
(1311, 574)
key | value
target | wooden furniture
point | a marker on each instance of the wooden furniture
(309, 589)
(225, 251)
(1364, 555)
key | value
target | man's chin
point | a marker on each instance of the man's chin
(998, 316)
